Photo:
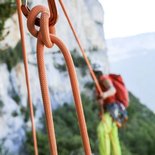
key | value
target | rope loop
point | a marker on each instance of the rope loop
(45, 30)
(53, 12)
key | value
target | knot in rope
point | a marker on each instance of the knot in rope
(45, 30)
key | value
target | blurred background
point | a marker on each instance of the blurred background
(116, 33)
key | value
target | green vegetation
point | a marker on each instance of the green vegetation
(11, 56)
(1, 104)
(14, 113)
(42, 143)
(6, 10)
(25, 112)
(67, 131)
(89, 85)
(93, 49)
(16, 98)
(3, 151)
(60, 67)
(1, 107)
(137, 137)
(78, 60)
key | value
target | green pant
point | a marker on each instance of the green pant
(107, 132)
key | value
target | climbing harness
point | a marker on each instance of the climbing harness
(46, 37)
(18, 2)
(118, 113)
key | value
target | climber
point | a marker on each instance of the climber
(113, 114)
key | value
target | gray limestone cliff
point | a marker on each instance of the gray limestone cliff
(87, 18)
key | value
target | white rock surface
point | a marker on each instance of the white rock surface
(87, 18)
(11, 32)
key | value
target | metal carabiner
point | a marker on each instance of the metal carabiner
(53, 12)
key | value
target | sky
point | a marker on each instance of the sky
(128, 17)
(123, 18)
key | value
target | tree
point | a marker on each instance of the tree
(137, 137)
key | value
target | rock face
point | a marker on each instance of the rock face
(11, 32)
(87, 18)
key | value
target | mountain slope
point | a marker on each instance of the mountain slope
(14, 112)
(133, 58)
(137, 137)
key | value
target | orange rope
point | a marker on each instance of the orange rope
(46, 37)
(53, 13)
(41, 68)
(76, 93)
(80, 46)
(18, 2)
(83, 52)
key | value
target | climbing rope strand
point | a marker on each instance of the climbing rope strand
(76, 93)
(18, 2)
(53, 13)
(80, 46)
(83, 52)
(46, 98)
(43, 39)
